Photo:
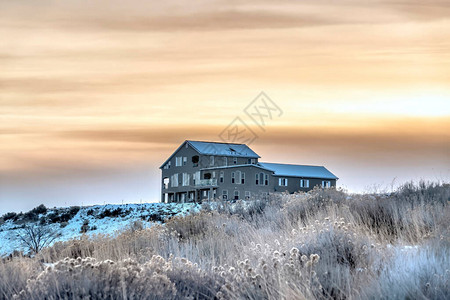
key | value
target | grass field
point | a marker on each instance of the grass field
(325, 244)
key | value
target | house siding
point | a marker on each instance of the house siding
(248, 186)
(294, 183)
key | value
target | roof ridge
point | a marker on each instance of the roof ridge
(262, 162)
(216, 142)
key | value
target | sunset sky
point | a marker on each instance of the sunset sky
(95, 95)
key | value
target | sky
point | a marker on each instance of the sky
(95, 95)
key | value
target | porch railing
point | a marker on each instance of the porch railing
(206, 182)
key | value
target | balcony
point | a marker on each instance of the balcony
(206, 182)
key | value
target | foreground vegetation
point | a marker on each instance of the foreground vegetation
(325, 244)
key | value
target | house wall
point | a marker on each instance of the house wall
(188, 168)
(294, 184)
(249, 185)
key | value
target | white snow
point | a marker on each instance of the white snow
(146, 212)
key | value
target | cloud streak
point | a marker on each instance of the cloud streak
(92, 89)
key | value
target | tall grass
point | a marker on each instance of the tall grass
(325, 244)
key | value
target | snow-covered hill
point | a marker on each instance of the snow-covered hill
(71, 222)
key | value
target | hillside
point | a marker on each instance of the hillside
(73, 222)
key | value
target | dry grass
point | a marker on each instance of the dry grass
(322, 245)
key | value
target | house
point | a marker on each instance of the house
(199, 171)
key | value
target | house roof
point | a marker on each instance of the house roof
(216, 148)
(223, 149)
(236, 166)
(298, 170)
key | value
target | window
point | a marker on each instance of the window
(234, 160)
(167, 166)
(225, 194)
(251, 161)
(174, 180)
(221, 177)
(184, 160)
(178, 161)
(304, 183)
(247, 195)
(242, 178)
(261, 178)
(195, 160)
(214, 174)
(266, 179)
(211, 160)
(232, 177)
(238, 177)
(186, 179)
(166, 183)
(326, 183)
(236, 195)
(282, 182)
(196, 177)
(256, 179)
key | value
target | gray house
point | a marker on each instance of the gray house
(199, 171)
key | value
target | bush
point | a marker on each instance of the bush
(63, 224)
(89, 279)
(33, 215)
(136, 226)
(415, 273)
(85, 227)
(343, 251)
(189, 226)
(29, 216)
(62, 216)
(111, 213)
(423, 192)
(14, 274)
(127, 279)
(9, 216)
(156, 217)
(41, 209)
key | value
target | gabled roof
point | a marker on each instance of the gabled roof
(216, 148)
(299, 170)
(223, 149)
(236, 166)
